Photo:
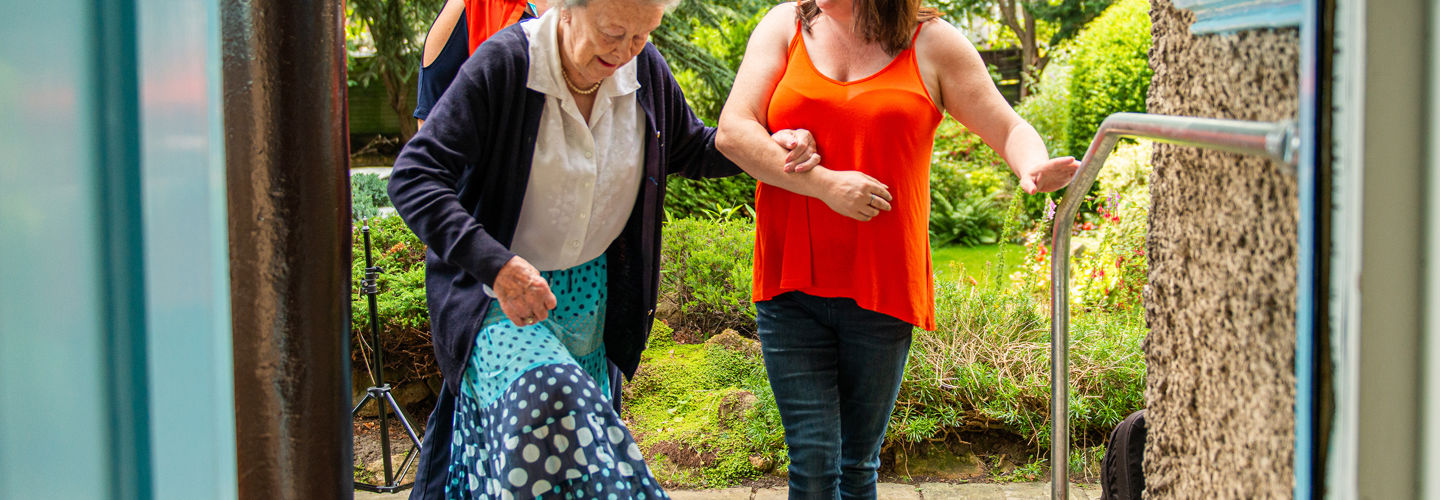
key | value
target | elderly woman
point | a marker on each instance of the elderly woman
(537, 183)
(871, 80)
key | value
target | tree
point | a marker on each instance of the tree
(706, 70)
(1020, 16)
(394, 29)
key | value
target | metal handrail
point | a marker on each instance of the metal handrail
(1277, 141)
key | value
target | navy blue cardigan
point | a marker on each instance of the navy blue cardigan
(460, 181)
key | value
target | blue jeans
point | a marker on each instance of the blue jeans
(835, 369)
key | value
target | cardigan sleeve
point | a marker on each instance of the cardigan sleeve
(689, 144)
(424, 185)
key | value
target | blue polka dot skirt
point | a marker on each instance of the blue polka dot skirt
(534, 417)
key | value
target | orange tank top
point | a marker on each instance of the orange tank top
(882, 125)
(486, 17)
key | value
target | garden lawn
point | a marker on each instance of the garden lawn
(952, 263)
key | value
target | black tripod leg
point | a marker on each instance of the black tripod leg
(383, 390)
(387, 485)
(409, 460)
(404, 420)
(393, 483)
(364, 400)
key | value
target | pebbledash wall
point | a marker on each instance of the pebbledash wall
(1220, 386)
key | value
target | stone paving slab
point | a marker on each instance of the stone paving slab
(897, 491)
(720, 494)
(886, 491)
(1003, 491)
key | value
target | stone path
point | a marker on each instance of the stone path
(887, 491)
(922, 491)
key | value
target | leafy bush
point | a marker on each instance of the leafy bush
(1111, 270)
(969, 186)
(367, 195)
(970, 220)
(1048, 108)
(705, 275)
(1108, 268)
(404, 320)
(704, 198)
(1111, 69)
(958, 144)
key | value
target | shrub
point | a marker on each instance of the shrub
(969, 186)
(367, 195)
(973, 219)
(1048, 108)
(705, 275)
(1111, 69)
(1110, 271)
(404, 320)
(1108, 267)
(705, 198)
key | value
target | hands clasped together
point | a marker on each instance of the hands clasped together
(850, 193)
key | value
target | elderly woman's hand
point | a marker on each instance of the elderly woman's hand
(524, 295)
(803, 155)
(1049, 175)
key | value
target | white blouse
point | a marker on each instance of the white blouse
(585, 176)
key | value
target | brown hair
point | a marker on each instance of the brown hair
(891, 23)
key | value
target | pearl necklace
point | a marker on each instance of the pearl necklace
(578, 90)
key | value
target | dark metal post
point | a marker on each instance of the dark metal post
(289, 221)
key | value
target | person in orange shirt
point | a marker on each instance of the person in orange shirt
(842, 254)
(459, 28)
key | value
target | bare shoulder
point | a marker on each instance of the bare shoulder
(943, 43)
(779, 23)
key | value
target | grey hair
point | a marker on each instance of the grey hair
(567, 4)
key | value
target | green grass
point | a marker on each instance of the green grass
(957, 262)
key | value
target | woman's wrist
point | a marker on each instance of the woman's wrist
(822, 181)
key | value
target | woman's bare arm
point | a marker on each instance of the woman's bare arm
(953, 67)
(744, 132)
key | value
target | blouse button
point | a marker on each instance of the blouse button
(589, 155)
